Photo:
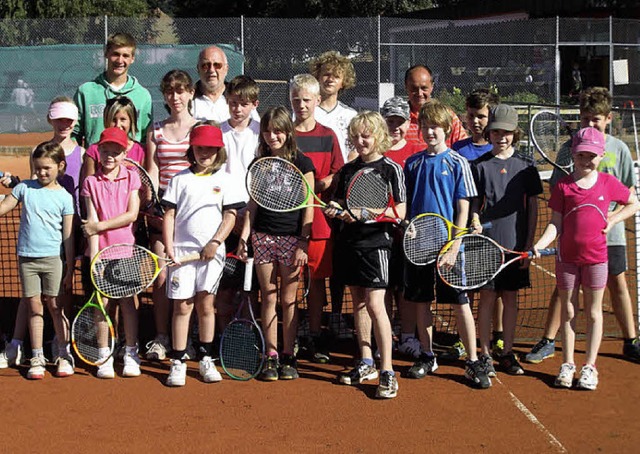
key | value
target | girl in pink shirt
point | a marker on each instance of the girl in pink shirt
(112, 204)
(579, 203)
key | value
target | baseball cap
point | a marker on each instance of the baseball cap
(395, 106)
(206, 136)
(63, 110)
(114, 135)
(503, 116)
(589, 140)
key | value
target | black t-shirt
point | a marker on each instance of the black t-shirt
(377, 234)
(275, 223)
(504, 185)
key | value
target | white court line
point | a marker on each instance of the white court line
(535, 421)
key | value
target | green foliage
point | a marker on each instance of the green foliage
(522, 97)
(454, 99)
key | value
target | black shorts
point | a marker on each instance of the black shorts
(512, 278)
(85, 271)
(617, 259)
(396, 264)
(423, 285)
(368, 268)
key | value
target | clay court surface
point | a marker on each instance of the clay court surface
(440, 413)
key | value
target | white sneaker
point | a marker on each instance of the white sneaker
(37, 369)
(208, 370)
(565, 376)
(410, 347)
(65, 366)
(131, 364)
(105, 370)
(157, 349)
(588, 377)
(11, 356)
(177, 373)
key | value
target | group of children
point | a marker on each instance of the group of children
(199, 168)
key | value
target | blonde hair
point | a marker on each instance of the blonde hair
(304, 82)
(436, 113)
(221, 155)
(372, 122)
(335, 63)
(117, 104)
(120, 40)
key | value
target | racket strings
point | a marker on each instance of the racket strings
(241, 349)
(123, 270)
(476, 263)
(424, 238)
(91, 334)
(367, 196)
(550, 133)
(273, 184)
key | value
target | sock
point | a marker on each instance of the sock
(104, 351)
(390, 372)
(16, 342)
(205, 349)
(368, 361)
(405, 336)
(498, 335)
(179, 355)
(548, 340)
(631, 340)
(131, 349)
(37, 352)
(273, 355)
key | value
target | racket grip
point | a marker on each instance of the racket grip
(248, 275)
(193, 257)
(544, 252)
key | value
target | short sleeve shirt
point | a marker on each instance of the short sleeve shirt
(470, 150)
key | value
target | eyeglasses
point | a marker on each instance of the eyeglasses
(216, 65)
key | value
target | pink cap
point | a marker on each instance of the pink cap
(589, 140)
(63, 110)
(206, 136)
(114, 135)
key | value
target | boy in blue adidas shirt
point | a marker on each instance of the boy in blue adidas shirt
(440, 181)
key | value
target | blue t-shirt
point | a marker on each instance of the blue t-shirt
(470, 150)
(40, 233)
(435, 183)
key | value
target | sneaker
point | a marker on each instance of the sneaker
(358, 374)
(339, 327)
(37, 369)
(157, 349)
(565, 376)
(65, 366)
(410, 347)
(510, 364)
(497, 348)
(453, 353)
(177, 373)
(588, 377)
(270, 369)
(131, 364)
(288, 368)
(631, 350)
(208, 370)
(118, 352)
(11, 356)
(477, 374)
(426, 364)
(388, 387)
(318, 350)
(487, 362)
(105, 370)
(542, 350)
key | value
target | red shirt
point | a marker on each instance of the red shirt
(400, 156)
(414, 135)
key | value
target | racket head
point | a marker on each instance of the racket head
(277, 185)
(124, 270)
(242, 350)
(424, 237)
(368, 195)
(478, 261)
(91, 330)
(550, 133)
(234, 270)
(149, 200)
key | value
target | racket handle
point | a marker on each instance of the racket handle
(193, 257)
(248, 275)
(14, 180)
(544, 252)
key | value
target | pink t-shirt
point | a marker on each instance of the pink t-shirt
(136, 153)
(581, 241)
(111, 199)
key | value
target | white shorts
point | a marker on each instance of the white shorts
(183, 282)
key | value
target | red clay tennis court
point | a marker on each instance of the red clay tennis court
(440, 413)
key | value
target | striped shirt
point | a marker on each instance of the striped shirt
(172, 156)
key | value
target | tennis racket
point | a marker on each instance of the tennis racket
(277, 185)
(369, 198)
(92, 333)
(14, 180)
(550, 133)
(149, 200)
(242, 343)
(479, 260)
(124, 270)
(426, 234)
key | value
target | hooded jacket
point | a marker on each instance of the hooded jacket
(91, 98)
